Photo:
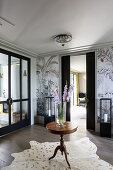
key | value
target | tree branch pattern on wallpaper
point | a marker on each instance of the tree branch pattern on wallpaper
(105, 57)
(47, 69)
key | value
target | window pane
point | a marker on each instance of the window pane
(15, 78)
(24, 79)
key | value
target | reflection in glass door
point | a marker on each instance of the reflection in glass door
(4, 109)
(15, 78)
(14, 92)
(25, 99)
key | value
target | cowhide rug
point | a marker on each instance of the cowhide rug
(82, 156)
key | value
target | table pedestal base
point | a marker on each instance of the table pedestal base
(62, 148)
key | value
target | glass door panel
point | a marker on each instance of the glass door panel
(3, 77)
(4, 115)
(4, 109)
(15, 90)
(24, 79)
(15, 78)
(15, 112)
(24, 110)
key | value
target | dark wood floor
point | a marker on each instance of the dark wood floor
(19, 140)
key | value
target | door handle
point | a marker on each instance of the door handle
(9, 101)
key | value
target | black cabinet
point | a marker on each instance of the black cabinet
(105, 117)
(105, 130)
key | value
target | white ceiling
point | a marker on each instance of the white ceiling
(78, 63)
(36, 21)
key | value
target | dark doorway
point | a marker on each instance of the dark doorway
(90, 86)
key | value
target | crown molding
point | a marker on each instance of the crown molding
(16, 49)
(75, 50)
(70, 51)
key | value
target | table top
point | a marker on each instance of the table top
(70, 127)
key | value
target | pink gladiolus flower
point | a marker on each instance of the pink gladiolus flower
(69, 93)
(65, 93)
(56, 97)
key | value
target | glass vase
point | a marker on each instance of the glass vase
(60, 114)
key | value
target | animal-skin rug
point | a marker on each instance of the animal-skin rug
(82, 156)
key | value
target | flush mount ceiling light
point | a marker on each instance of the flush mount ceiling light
(63, 38)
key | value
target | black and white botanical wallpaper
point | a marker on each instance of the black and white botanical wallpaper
(104, 75)
(48, 74)
(47, 69)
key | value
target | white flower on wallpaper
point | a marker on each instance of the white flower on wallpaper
(47, 75)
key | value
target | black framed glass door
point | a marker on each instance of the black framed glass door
(14, 92)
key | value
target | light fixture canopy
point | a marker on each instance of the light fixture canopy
(63, 38)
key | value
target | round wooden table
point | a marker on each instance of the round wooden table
(69, 127)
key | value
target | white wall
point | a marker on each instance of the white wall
(33, 89)
(82, 82)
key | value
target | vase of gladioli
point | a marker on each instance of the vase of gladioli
(60, 110)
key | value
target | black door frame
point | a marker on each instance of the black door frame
(65, 76)
(21, 123)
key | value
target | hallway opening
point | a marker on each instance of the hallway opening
(78, 98)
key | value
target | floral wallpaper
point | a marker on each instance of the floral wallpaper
(104, 76)
(47, 69)
(48, 74)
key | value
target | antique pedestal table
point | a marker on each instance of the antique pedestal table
(68, 128)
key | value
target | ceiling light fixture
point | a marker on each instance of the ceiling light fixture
(63, 38)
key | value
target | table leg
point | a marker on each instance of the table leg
(62, 148)
(65, 152)
(55, 152)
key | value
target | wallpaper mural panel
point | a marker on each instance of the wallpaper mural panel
(104, 76)
(47, 75)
